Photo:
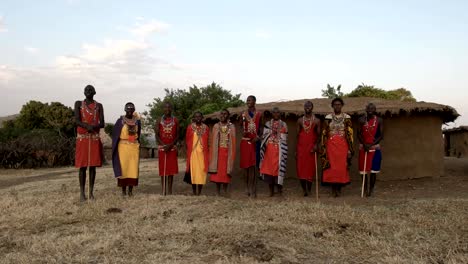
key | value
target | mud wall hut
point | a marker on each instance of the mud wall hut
(456, 142)
(412, 145)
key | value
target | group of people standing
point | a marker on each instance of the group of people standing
(211, 153)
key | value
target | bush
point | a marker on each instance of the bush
(37, 148)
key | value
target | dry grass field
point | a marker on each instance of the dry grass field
(414, 221)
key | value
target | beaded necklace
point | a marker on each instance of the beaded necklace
(368, 127)
(250, 127)
(200, 130)
(167, 127)
(224, 131)
(131, 124)
(337, 125)
(309, 126)
(275, 131)
(93, 112)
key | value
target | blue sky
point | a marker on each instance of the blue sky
(278, 50)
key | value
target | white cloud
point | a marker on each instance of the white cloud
(72, 2)
(31, 50)
(122, 70)
(3, 27)
(122, 56)
(128, 57)
(112, 50)
(6, 74)
(262, 34)
(145, 28)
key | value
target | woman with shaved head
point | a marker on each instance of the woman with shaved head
(337, 147)
(126, 149)
(274, 152)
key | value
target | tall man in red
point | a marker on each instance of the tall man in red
(167, 134)
(308, 127)
(89, 118)
(370, 133)
(250, 144)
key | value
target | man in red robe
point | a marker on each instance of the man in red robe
(250, 144)
(308, 127)
(370, 133)
(167, 134)
(89, 118)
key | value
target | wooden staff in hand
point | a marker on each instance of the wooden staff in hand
(89, 160)
(364, 175)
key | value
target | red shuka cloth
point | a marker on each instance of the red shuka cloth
(337, 151)
(368, 130)
(88, 145)
(305, 160)
(248, 154)
(221, 176)
(170, 157)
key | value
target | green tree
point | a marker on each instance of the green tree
(108, 128)
(402, 94)
(207, 99)
(59, 117)
(10, 131)
(364, 90)
(31, 116)
(53, 116)
(144, 140)
(332, 92)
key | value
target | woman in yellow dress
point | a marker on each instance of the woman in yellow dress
(126, 149)
(197, 153)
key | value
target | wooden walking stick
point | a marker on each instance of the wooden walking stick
(316, 178)
(89, 169)
(365, 172)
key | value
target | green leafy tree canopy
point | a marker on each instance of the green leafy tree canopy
(54, 116)
(364, 90)
(36, 115)
(332, 92)
(207, 99)
(108, 128)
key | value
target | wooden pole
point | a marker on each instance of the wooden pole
(365, 172)
(89, 169)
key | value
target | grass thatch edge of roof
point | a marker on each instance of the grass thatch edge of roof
(357, 107)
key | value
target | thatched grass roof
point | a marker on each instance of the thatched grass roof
(353, 106)
(456, 129)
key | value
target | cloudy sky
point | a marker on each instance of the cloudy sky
(277, 50)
